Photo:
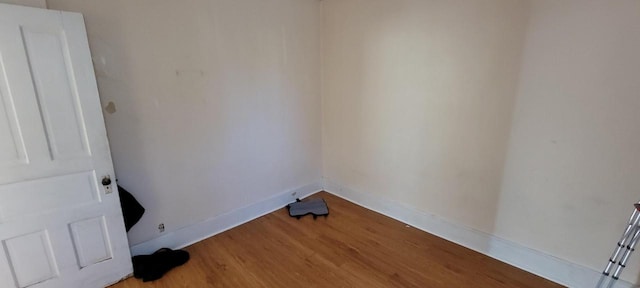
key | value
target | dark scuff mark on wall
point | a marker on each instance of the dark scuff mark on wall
(110, 108)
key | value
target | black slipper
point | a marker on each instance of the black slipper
(153, 267)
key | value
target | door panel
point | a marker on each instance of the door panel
(31, 258)
(90, 241)
(58, 102)
(19, 108)
(59, 226)
(63, 192)
(12, 150)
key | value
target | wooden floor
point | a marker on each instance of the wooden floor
(353, 247)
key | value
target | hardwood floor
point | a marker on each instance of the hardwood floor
(353, 247)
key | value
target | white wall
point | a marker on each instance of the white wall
(573, 164)
(417, 100)
(515, 118)
(217, 103)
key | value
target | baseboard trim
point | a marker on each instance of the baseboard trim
(542, 264)
(213, 226)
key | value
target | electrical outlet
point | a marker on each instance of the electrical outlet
(161, 227)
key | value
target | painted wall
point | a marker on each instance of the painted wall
(515, 118)
(216, 104)
(417, 99)
(573, 161)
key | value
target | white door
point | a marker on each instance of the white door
(59, 225)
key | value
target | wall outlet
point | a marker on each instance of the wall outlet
(161, 227)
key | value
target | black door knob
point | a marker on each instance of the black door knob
(106, 180)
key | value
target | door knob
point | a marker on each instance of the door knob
(106, 180)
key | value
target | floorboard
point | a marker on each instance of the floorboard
(353, 247)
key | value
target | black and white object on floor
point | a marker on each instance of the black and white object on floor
(316, 207)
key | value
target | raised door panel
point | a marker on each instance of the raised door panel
(57, 98)
(39, 196)
(91, 241)
(12, 149)
(31, 259)
(22, 135)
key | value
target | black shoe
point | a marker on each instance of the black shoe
(153, 267)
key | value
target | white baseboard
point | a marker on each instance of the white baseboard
(533, 261)
(203, 230)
